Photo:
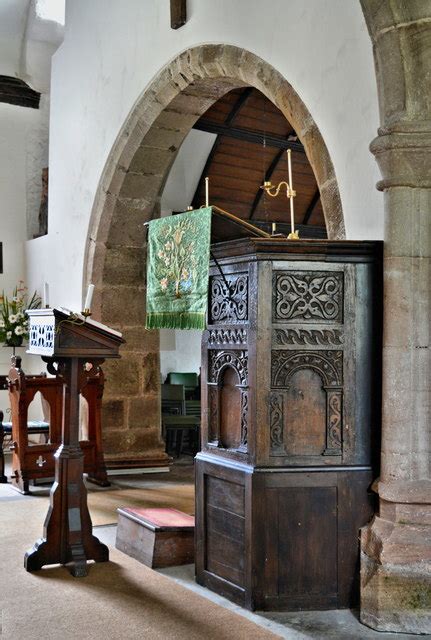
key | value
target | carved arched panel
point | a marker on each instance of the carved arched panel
(305, 420)
(230, 409)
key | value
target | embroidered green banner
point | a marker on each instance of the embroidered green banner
(177, 270)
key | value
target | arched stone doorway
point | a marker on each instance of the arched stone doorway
(129, 194)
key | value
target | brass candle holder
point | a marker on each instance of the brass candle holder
(273, 191)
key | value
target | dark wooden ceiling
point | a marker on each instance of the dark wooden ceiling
(252, 139)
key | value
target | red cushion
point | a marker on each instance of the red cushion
(160, 517)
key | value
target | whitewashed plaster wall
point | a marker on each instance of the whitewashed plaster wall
(16, 127)
(13, 14)
(113, 49)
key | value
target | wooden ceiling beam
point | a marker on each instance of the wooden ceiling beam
(277, 142)
(15, 91)
(315, 199)
(239, 103)
(178, 13)
(244, 96)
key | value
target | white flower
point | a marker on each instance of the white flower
(1, 324)
(12, 318)
(8, 335)
(19, 330)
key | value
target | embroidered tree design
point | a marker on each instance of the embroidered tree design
(176, 263)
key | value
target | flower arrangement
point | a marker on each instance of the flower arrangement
(13, 318)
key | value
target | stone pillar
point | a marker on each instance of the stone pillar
(396, 545)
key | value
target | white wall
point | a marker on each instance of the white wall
(113, 49)
(16, 127)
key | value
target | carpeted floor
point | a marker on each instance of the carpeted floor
(121, 599)
(174, 489)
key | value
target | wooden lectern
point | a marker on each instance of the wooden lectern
(290, 421)
(72, 346)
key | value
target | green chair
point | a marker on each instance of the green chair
(188, 380)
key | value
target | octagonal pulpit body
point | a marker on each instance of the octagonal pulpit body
(290, 420)
(59, 333)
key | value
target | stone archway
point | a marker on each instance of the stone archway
(128, 195)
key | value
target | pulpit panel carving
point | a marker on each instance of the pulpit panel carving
(225, 337)
(276, 423)
(244, 418)
(213, 414)
(287, 365)
(228, 300)
(305, 337)
(308, 296)
(218, 360)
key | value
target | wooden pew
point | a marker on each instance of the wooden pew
(35, 461)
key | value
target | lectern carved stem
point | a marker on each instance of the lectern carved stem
(75, 346)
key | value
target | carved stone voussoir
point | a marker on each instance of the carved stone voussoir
(308, 296)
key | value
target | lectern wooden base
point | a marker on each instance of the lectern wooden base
(68, 537)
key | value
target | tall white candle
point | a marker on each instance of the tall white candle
(292, 214)
(89, 297)
(207, 192)
(45, 295)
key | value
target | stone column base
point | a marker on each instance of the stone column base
(396, 562)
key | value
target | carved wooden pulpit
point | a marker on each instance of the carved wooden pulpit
(290, 420)
(72, 346)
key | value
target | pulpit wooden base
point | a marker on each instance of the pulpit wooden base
(68, 537)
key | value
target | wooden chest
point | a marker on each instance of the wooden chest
(290, 425)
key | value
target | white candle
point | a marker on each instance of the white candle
(292, 215)
(45, 295)
(89, 297)
(207, 192)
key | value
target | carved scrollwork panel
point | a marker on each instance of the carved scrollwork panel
(305, 337)
(228, 303)
(218, 360)
(225, 337)
(334, 423)
(328, 364)
(309, 296)
(276, 423)
(213, 413)
(244, 418)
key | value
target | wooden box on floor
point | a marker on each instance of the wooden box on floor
(156, 537)
(290, 421)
